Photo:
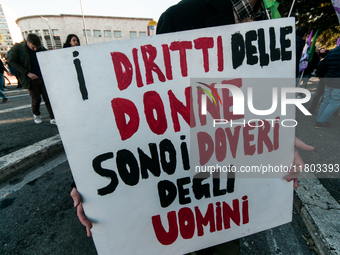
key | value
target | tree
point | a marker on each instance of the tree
(315, 14)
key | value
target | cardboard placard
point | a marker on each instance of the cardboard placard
(125, 117)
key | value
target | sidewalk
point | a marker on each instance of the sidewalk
(316, 206)
(318, 209)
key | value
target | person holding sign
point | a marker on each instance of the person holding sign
(194, 14)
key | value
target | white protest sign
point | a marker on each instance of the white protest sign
(123, 113)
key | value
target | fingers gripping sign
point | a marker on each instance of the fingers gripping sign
(298, 162)
(80, 211)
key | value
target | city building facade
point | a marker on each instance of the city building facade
(53, 29)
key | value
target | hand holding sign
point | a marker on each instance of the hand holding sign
(80, 211)
(298, 162)
(32, 76)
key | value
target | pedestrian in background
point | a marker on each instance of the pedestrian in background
(71, 41)
(321, 86)
(300, 40)
(307, 73)
(330, 66)
(10, 73)
(2, 80)
(23, 58)
(7, 71)
(4, 97)
(301, 35)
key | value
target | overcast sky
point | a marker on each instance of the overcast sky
(124, 8)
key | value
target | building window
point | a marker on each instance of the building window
(133, 34)
(88, 32)
(56, 37)
(97, 33)
(142, 33)
(47, 39)
(117, 34)
(107, 33)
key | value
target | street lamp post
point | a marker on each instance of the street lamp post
(49, 29)
(82, 13)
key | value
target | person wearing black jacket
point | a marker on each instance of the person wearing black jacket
(2, 70)
(23, 58)
(194, 14)
(330, 66)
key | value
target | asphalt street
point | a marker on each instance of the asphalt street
(16, 121)
(37, 214)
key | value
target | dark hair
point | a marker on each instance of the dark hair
(301, 31)
(34, 39)
(68, 40)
